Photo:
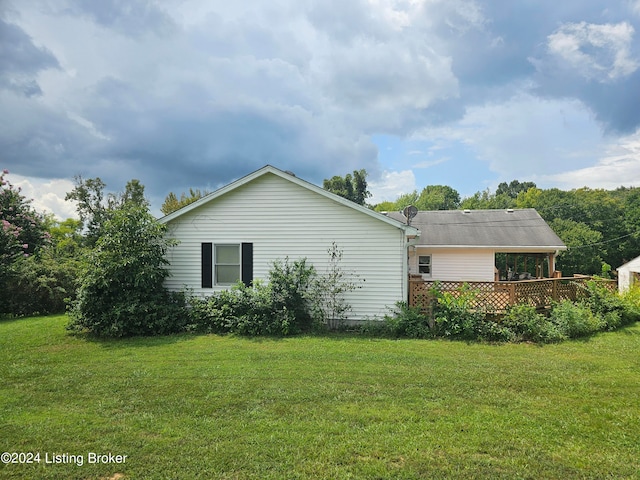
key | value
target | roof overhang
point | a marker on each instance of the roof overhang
(499, 248)
(410, 232)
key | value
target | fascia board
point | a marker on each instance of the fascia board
(500, 248)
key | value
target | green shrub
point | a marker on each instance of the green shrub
(527, 325)
(39, 285)
(631, 305)
(606, 304)
(575, 319)
(492, 330)
(211, 314)
(122, 292)
(405, 321)
(279, 307)
(378, 329)
(455, 314)
(290, 286)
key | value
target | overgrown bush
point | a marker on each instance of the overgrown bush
(279, 307)
(492, 329)
(607, 305)
(631, 305)
(575, 319)
(39, 285)
(291, 292)
(403, 321)
(527, 325)
(122, 292)
(455, 314)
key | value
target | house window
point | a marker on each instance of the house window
(227, 264)
(424, 264)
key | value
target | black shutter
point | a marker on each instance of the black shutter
(247, 263)
(207, 265)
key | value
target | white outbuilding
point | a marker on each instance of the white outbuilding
(628, 274)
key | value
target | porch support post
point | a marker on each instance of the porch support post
(552, 264)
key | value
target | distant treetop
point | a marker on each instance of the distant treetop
(352, 187)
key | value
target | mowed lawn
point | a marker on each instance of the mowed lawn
(338, 406)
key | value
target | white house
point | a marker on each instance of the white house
(628, 274)
(461, 245)
(238, 231)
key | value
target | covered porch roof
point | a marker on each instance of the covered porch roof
(506, 231)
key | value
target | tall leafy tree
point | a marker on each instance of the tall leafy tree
(438, 197)
(22, 229)
(90, 203)
(172, 203)
(513, 188)
(584, 247)
(432, 197)
(95, 207)
(352, 187)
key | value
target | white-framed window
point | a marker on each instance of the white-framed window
(424, 264)
(227, 267)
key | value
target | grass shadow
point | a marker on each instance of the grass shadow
(136, 341)
(630, 329)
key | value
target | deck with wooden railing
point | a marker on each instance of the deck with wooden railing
(499, 296)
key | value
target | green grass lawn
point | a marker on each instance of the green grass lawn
(339, 406)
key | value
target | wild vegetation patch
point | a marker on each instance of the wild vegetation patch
(455, 315)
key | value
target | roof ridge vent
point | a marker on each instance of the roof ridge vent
(509, 210)
(466, 210)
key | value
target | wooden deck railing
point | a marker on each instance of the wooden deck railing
(498, 296)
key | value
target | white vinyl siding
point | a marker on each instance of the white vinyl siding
(456, 264)
(628, 274)
(283, 219)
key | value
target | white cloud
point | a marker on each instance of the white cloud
(390, 185)
(600, 52)
(47, 195)
(551, 136)
(619, 167)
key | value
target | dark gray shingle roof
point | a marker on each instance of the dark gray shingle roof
(483, 228)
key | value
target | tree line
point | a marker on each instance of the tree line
(601, 228)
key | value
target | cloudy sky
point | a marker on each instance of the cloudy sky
(196, 93)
